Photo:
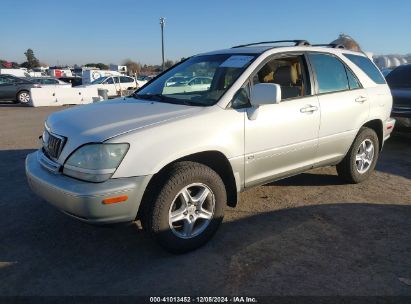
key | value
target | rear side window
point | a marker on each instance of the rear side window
(365, 64)
(331, 73)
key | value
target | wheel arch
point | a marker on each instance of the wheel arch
(213, 159)
(377, 126)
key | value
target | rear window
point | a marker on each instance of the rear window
(365, 64)
(400, 77)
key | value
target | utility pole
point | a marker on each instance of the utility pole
(162, 22)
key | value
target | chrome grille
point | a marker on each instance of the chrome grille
(52, 144)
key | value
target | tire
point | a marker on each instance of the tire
(190, 193)
(23, 97)
(361, 158)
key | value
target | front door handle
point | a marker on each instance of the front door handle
(308, 109)
(361, 99)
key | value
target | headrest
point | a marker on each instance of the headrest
(286, 75)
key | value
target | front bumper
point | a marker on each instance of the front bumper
(84, 200)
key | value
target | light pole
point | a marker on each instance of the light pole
(162, 22)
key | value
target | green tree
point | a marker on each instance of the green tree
(32, 61)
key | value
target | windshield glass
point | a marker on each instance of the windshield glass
(98, 80)
(199, 81)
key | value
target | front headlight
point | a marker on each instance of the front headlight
(95, 162)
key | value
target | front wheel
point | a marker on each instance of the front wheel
(362, 157)
(188, 209)
(23, 97)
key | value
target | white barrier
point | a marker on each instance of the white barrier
(55, 96)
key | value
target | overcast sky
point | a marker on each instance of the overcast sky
(81, 31)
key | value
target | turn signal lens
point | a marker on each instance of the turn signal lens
(113, 200)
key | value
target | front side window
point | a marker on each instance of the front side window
(288, 72)
(124, 79)
(331, 73)
(198, 81)
(109, 81)
(365, 64)
(99, 80)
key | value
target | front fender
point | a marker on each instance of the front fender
(152, 148)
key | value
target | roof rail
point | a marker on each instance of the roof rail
(296, 43)
(331, 45)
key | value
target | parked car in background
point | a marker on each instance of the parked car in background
(114, 84)
(89, 75)
(191, 85)
(399, 81)
(74, 81)
(178, 80)
(50, 81)
(176, 160)
(143, 79)
(15, 88)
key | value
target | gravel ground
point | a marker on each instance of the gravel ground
(306, 235)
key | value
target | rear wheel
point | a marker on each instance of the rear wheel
(23, 97)
(362, 157)
(188, 209)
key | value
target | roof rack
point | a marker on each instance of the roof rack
(296, 43)
(331, 45)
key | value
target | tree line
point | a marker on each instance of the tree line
(133, 67)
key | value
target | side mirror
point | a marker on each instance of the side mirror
(265, 93)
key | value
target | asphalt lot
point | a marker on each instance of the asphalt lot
(306, 235)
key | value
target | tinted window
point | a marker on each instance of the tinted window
(400, 77)
(6, 80)
(331, 73)
(109, 81)
(352, 80)
(125, 79)
(365, 64)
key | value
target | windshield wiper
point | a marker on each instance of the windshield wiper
(157, 97)
(165, 99)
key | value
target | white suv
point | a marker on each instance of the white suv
(174, 160)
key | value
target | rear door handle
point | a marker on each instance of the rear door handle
(361, 99)
(308, 109)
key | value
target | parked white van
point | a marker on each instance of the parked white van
(15, 72)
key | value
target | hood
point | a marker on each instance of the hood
(101, 121)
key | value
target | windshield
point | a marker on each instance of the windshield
(98, 80)
(199, 81)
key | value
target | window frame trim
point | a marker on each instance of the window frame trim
(285, 55)
(314, 74)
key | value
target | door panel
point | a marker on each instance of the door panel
(282, 139)
(8, 91)
(342, 115)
